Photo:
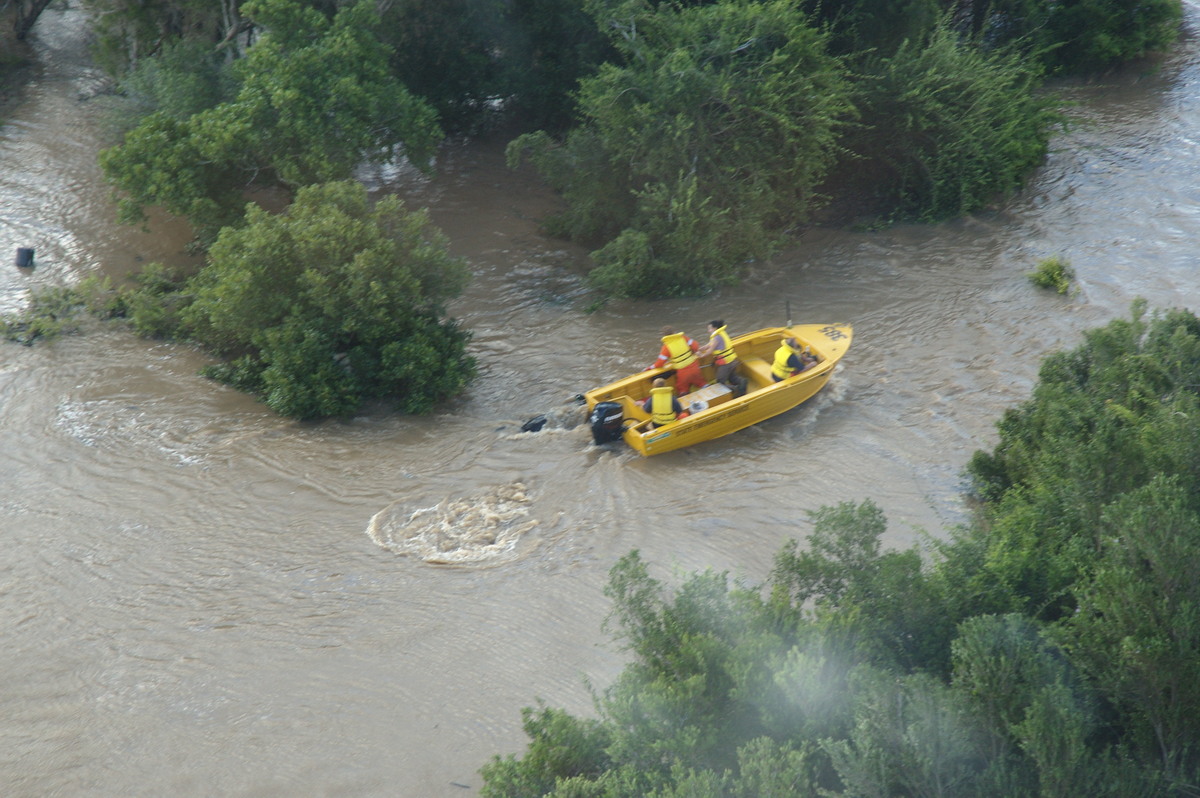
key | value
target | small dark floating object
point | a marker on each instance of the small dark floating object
(24, 257)
(534, 424)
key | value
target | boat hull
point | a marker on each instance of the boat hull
(718, 412)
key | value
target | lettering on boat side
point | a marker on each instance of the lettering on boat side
(832, 333)
(732, 412)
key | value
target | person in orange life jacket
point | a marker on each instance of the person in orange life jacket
(679, 352)
(791, 359)
(721, 348)
(662, 405)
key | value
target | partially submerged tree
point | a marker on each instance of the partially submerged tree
(330, 303)
(705, 141)
(946, 126)
(314, 100)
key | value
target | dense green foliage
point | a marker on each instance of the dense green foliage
(710, 136)
(1051, 648)
(714, 132)
(314, 99)
(1081, 36)
(687, 139)
(946, 127)
(331, 303)
(448, 53)
(186, 78)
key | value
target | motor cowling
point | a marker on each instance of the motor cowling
(606, 418)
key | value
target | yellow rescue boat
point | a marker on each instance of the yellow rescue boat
(615, 411)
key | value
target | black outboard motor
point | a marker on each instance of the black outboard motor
(606, 421)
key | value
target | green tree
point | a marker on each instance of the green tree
(331, 303)
(561, 748)
(711, 132)
(185, 78)
(128, 31)
(314, 100)
(552, 45)
(449, 53)
(1125, 396)
(1138, 626)
(947, 126)
(877, 606)
(912, 736)
(1078, 36)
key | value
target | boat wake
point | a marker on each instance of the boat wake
(483, 530)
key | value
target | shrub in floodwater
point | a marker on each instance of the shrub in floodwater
(1053, 272)
(58, 310)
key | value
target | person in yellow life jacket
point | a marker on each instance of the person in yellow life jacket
(720, 346)
(662, 405)
(791, 359)
(679, 352)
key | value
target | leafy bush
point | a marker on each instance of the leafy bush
(1078, 37)
(331, 303)
(185, 78)
(949, 126)
(313, 100)
(699, 146)
(60, 310)
(1053, 272)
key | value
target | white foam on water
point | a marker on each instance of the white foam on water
(480, 530)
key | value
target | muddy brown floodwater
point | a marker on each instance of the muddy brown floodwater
(200, 598)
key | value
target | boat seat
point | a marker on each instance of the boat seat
(757, 369)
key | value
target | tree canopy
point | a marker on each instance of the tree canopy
(710, 134)
(688, 139)
(314, 100)
(331, 303)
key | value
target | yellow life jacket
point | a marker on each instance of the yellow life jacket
(780, 367)
(662, 405)
(681, 354)
(726, 355)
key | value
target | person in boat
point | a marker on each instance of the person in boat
(662, 405)
(720, 346)
(679, 352)
(790, 359)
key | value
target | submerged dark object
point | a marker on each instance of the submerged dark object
(24, 257)
(534, 424)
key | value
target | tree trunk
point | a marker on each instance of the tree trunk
(28, 12)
